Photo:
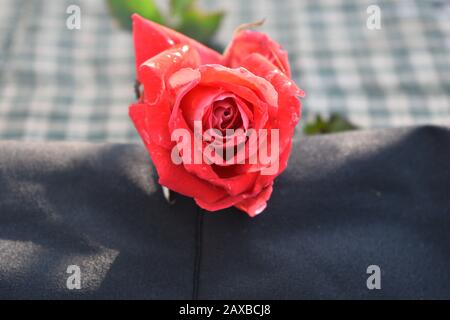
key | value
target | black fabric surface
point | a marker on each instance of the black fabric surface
(345, 202)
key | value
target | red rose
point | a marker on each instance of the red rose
(238, 109)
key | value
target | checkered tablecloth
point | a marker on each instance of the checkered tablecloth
(57, 83)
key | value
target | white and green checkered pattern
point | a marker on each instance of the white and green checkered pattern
(57, 83)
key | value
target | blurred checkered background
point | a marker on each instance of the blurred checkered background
(58, 84)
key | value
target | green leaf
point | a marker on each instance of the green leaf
(335, 123)
(193, 22)
(123, 9)
(178, 7)
(185, 16)
(199, 25)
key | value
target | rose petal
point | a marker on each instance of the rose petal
(232, 186)
(256, 205)
(240, 77)
(151, 39)
(195, 103)
(155, 72)
(262, 67)
(256, 90)
(289, 109)
(172, 176)
(155, 117)
(251, 205)
(183, 77)
(247, 42)
(148, 40)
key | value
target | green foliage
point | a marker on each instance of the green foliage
(335, 123)
(200, 25)
(123, 9)
(177, 7)
(184, 16)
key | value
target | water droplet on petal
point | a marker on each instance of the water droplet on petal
(260, 208)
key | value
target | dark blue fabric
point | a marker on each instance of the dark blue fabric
(345, 202)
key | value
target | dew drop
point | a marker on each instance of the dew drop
(260, 209)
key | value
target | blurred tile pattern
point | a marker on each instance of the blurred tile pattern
(57, 83)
